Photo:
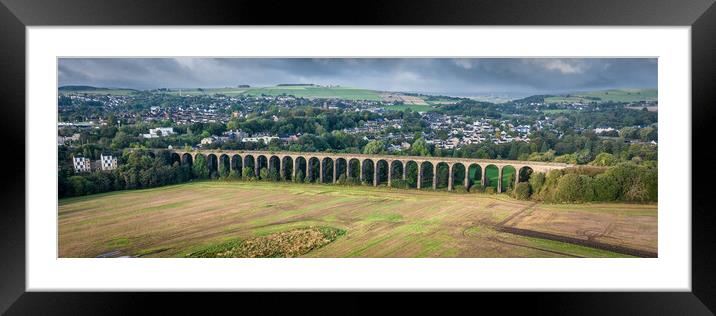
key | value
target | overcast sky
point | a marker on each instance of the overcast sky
(463, 76)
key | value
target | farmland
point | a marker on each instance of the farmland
(310, 92)
(622, 95)
(264, 219)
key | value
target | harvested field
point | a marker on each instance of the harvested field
(261, 219)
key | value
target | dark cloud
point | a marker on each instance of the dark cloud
(438, 75)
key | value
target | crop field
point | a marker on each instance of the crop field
(263, 219)
(623, 95)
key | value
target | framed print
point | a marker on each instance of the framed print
(241, 150)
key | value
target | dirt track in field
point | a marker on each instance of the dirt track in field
(379, 222)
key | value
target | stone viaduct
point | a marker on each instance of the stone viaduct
(336, 164)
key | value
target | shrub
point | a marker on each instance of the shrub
(399, 183)
(247, 174)
(477, 188)
(490, 190)
(264, 174)
(522, 191)
(460, 189)
(537, 181)
(353, 181)
(342, 179)
(300, 177)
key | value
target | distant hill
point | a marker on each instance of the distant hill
(81, 88)
(95, 90)
(612, 95)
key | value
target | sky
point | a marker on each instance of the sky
(457, 76)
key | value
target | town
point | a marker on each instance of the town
(173, 117)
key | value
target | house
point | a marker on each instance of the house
(63, 140)
(208, 140)
(81, 164)
(159, 132)
(108, 162)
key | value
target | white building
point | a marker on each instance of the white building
(63, 140)
(208, 140)
(81, 164)
(108, 162)
(159, 132)
(256, 139)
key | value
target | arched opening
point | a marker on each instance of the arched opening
(354, 171)
(287, 162)
(327, 170)
(200, 167)
(313, 170)
(411, 174)
(382, 172)
(474, 177)
(525, 173)
(213, 163)
(443, 175)
(397, 170)
(274, 165)
(426, 175)
(249, 167)
(492, 173)
(174, 158)
(262, 164)
(224, 166)
(341, 170)
(508, 178)
(236, 166)
(301, 170)
(458, 176)
(187, 159)
(367, 171)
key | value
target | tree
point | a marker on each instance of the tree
(606, 188)
(574, 188)
(374, 147)
(536, 182)
(604, 159)
(201, 170)
(420, 148)
(522, 191)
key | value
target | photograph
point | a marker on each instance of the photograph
(357, 157)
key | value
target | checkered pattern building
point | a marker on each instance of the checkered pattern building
(108, 162)
(81, 164)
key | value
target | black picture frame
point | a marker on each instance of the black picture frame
(15, 15)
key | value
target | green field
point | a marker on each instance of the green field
(621, 95)
(264, 219)
(103, 91)
(413, 107)
(297, 91)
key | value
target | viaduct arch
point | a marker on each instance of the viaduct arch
(321, 162)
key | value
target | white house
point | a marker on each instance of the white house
(159, 132)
